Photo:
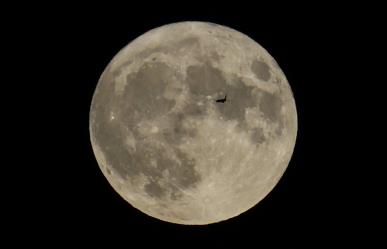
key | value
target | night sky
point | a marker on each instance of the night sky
(65, 197)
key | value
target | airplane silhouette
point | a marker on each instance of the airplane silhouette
(222, 100)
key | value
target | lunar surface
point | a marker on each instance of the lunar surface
(168, 147)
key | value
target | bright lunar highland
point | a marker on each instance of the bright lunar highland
(168, 147)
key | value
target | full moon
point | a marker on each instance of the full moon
(193, 123)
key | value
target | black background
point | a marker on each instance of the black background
(63, 196)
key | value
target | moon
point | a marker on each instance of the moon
(168, 147)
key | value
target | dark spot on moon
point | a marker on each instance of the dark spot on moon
(154, 189)
(270, 105)
(204, 80)
(261, 70)
(143, 92)
(239, 97)
(257, 136)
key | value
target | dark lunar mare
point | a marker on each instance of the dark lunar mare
(261, 70)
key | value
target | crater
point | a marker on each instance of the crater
(261, 70)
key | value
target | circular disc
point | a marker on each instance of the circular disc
(193, 123)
